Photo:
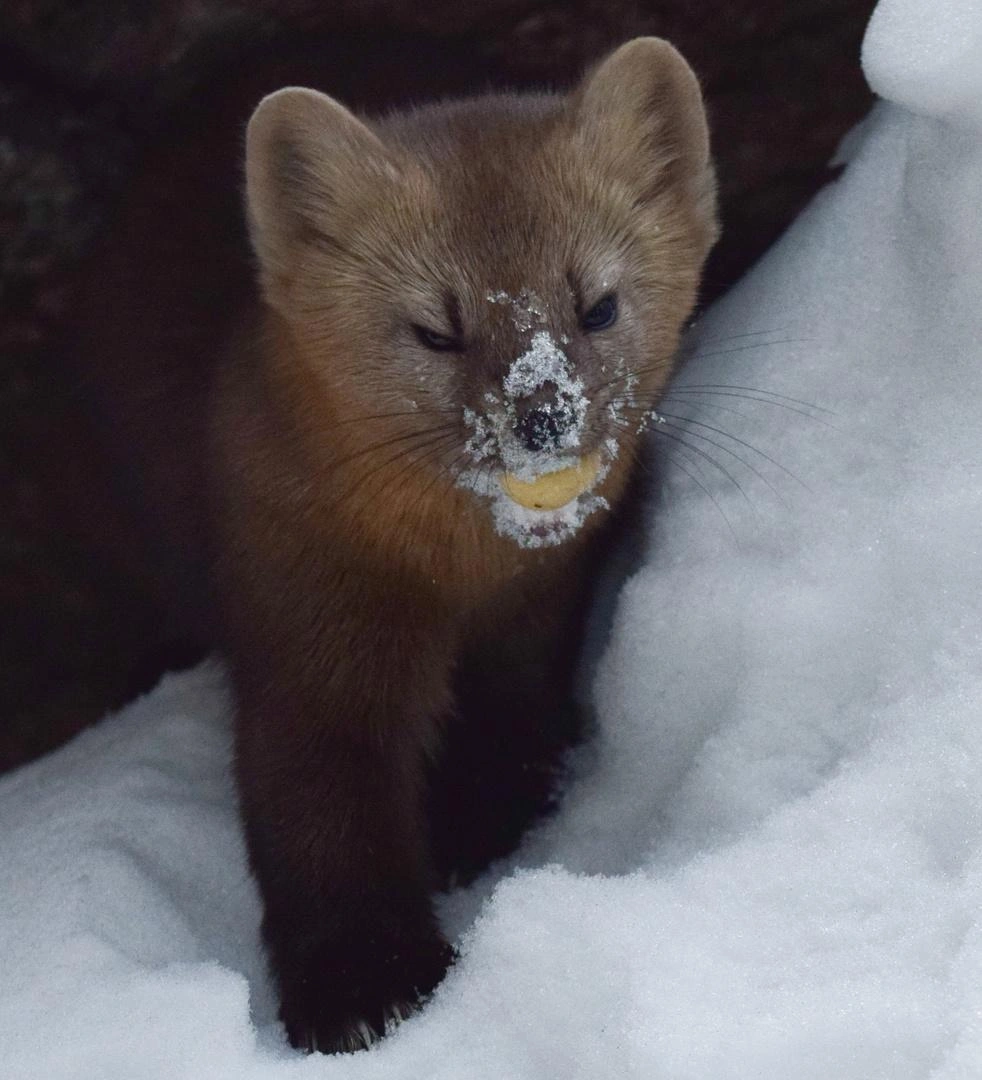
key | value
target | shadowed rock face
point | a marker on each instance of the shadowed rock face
(89, 90)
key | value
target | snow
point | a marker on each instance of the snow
(543, 363)
(497, 451)
(930, 65)
(770, 864)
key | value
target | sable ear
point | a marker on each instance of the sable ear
(309, 162)
(641, 112)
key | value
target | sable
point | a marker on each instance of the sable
(392, 465)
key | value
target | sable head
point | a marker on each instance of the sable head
(498, 283)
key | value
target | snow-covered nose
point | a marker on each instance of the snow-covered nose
(543, 425)
(544, 398)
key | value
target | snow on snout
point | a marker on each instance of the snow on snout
(543, 372)
(542, 367)
(543, 378)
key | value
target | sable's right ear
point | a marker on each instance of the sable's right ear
(308, 160)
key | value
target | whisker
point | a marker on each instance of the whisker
(737, 337)
(743, 348)
(624, 376)
(680, 463)
(718, 389)
(694, 396)
(396, 415)
(725, 387)
(384, 444)
(726, 450)
(701, 403)
(432, 445)
(415, 457)
(446, 470)
(660, 430)
(741, 442)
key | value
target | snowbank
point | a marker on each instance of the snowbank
(771, 864)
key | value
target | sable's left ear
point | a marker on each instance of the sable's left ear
(641, 112)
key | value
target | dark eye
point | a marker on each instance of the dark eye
(601, 315)
(436, 341)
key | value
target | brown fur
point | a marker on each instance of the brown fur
(368, 608)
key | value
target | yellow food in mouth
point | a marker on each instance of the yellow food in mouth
(553, 490)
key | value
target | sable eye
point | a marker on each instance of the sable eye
(601, 315)
(435, 341)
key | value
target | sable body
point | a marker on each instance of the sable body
(380, 622)
(398, 658)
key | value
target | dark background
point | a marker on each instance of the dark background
(94, 95)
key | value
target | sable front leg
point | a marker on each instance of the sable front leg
(502, 756)
(336, 843)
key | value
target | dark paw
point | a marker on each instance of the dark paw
(350, 992)
(480, 807)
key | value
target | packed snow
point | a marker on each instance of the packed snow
(769, 865)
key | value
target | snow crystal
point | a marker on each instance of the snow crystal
(527, 309)
(770, 863)
(531, 528)
(543, 366)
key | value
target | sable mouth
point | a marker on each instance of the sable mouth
(535, 455)
(553, 490)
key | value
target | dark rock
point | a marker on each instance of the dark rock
(89, 89)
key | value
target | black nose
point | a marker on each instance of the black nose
(542, 428)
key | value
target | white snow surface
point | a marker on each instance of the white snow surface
(932, 64)
(770, 864)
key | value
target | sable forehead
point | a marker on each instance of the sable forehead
(479, 129)
(507, 200)
(507, 206)
(551, 259)
(494, 164)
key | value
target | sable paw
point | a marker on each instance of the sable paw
(349, 994)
